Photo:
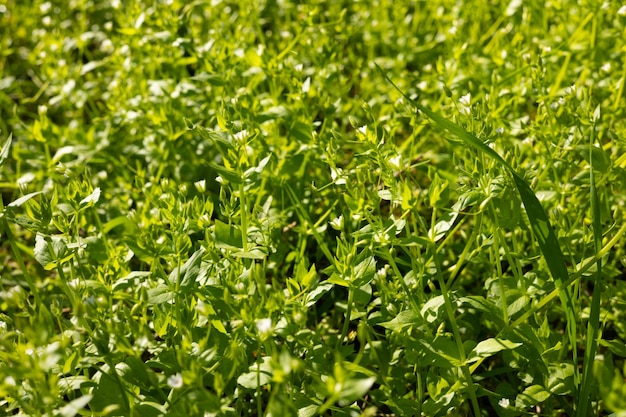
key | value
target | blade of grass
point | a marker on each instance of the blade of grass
(539, 222)
(593, 324)
(573, 277)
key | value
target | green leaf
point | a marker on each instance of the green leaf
(439, 191)
(316, 293)
(159, 295)
(138, 373)
(24, 199)
(228, 174)
(75, 406)
(189, 271)
(254, 253)
(561, 379)
(364, 272)
(442, 352)
(150, 409)
(354, 389)
(130, 280)
(257, 375)
(404, 319)
(492, 311)
(50, 251)
(531, 396)
(445, 223)
(227, 236)
(403, 407)
(617, 347)
(108, 395)
(433, 308)
(489, 347)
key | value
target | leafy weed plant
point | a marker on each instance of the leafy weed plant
(320, 208)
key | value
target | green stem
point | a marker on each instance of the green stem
(243, 210)
(457, 334)
(346, 322)
(593, 325)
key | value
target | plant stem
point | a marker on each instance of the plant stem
(457, 334)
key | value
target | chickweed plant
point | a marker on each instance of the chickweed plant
(281, 208)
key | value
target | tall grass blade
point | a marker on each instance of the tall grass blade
(593, 325)
(539, 222)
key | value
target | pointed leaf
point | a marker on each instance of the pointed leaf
(4, 153)
(489, 347)
(227, 236)
(189, 271)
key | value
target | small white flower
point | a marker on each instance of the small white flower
(337, 223)
(306, 86)
(337, 175)
(200, 186)
(205, 220)
(264, 326)
(362, 130)
(382, 272)
(240, 136)
(68, 87)
(622, 11)
(107, 46)
(499, 130)
(24, 180)
(504, 402)
(466, 100)
(175, 381)
(606, 67)
(92, 198)
(395, 162)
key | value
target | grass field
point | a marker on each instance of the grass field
(276, 208)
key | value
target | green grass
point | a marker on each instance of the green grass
(330, 208)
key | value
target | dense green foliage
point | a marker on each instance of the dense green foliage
(247, 208)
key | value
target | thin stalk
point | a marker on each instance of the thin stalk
(593, 325)
(259, 405)
(467, 374)
(243, 210)
(394, 267)
(346, 322)
(464, 253)
(496, 248)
